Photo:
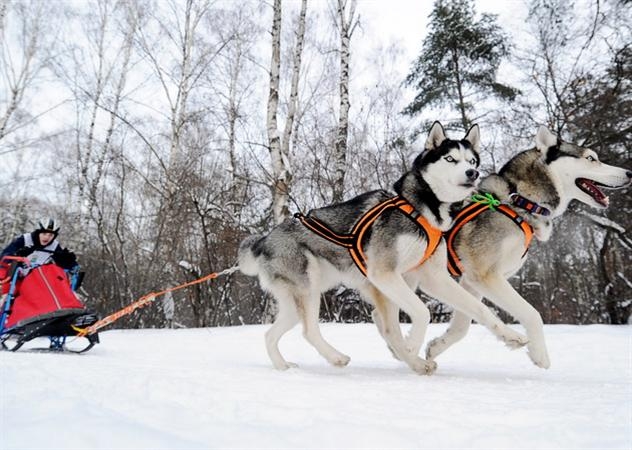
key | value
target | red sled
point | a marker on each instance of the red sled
(41, 301)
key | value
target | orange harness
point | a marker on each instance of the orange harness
(353, 241)
(470, 212)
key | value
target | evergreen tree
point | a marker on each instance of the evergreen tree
(459, 60)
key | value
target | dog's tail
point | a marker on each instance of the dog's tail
(246, 258)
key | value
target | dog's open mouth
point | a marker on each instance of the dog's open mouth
(590, 188)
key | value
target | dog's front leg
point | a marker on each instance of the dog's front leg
(442, 287)
(385, 314)
(458, 328)
(459, 325)
(393, 286)
(498, 290)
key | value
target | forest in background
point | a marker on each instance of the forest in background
(161, 133)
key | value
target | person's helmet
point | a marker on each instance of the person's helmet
(48, 225)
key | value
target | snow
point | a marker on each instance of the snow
(215, 388)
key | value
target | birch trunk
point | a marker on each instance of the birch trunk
(280, 163)
(20, 70)
(296, 70)
(347, 26)
(3, 12)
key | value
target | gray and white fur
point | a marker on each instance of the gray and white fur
(295, 265)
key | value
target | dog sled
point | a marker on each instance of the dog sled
(40, 301)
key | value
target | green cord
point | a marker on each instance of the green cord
(486, 199)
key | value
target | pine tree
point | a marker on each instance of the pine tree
(459, 60)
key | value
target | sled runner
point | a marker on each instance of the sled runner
(41, 301)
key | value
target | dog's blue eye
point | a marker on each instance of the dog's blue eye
(591, 158)
(450, 159)
(473, 161)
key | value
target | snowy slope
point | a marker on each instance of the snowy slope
(214, 388)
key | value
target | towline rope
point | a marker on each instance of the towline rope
(144, 301)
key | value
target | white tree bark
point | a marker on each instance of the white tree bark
(296, 71)
(19, 71)
(3, 12)
(346, 24)
(280, 165)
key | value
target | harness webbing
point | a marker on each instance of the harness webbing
(353, 241)
(470, 212)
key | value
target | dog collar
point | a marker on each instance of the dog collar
(531, 206)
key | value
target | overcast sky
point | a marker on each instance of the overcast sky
(406, 21)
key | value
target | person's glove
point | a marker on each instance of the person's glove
(24, 251)
(65, 259)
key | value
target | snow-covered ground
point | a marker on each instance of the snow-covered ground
(215, 388)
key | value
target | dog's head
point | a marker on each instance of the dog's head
(578, 171)
(449, 166)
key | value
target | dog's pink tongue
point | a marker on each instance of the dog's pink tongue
(594, 191)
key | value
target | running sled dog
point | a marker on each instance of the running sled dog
(489, 239)
(382, 244)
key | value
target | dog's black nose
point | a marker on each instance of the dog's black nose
(471, 174)
(629, 174)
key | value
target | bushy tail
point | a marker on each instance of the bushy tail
(247, 260)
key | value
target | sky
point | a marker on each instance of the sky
(406, 21)
(215, 388)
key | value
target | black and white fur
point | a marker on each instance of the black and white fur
(296, 266)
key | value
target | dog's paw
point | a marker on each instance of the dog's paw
(340, 360)
(434, 348)
(539, 356)
(513, 339)
(423, 367)
(285, 365)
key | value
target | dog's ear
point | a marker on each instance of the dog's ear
(544, 139)
(435, 137)
(473, 136)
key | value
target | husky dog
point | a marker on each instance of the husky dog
(305, 256)
(491, 247)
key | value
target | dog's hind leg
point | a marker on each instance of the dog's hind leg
(498, 290)
(309, 307)
(285, 320)
(458, 328)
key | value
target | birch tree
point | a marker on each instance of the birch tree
(22, 62)
(278, 147)
(3, 11)
(28, 37)
(281, 173)
(95, 69)
(99, 88)
(346, 22)
(296, 71)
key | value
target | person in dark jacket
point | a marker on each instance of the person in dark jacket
(41, 245)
